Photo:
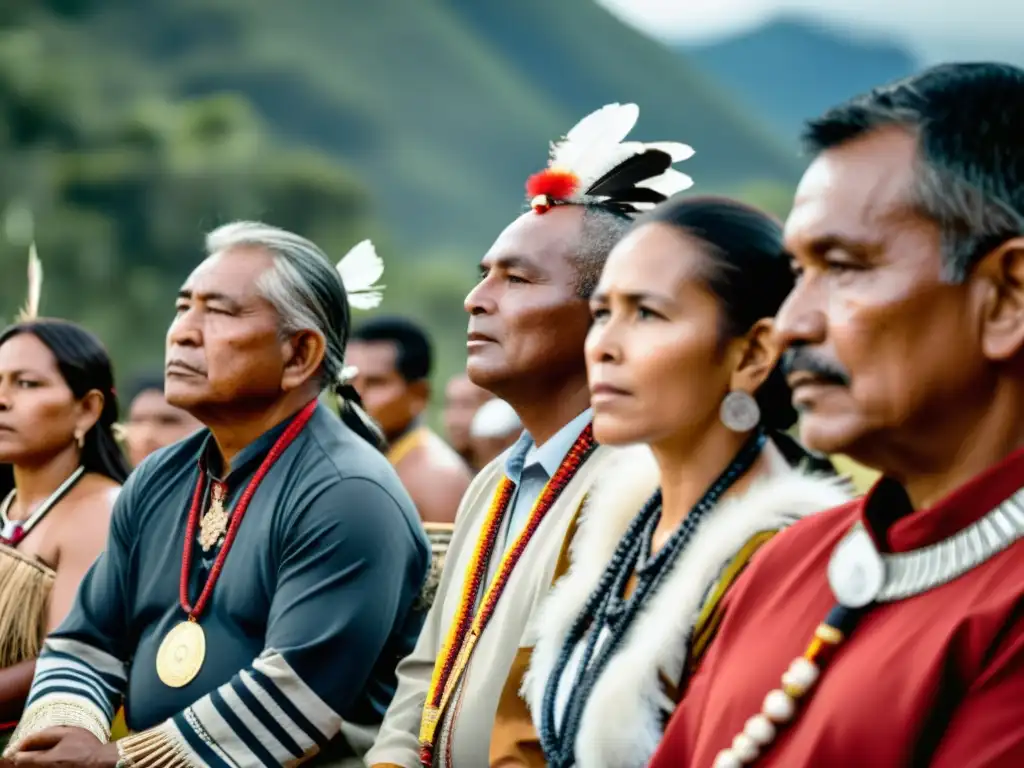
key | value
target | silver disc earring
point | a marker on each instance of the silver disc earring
(739, 411)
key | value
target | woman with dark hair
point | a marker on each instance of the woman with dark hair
(682, 361)
(57, 411)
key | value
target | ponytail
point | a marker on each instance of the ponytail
(350, 409)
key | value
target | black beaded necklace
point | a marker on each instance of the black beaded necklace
(606, 608)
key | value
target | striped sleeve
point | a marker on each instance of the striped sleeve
(265, 716)
(351, 570)
(81, 672)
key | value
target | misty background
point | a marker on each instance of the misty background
(128, 128)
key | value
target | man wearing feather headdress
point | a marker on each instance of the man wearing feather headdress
(528, 322)
(261, 576)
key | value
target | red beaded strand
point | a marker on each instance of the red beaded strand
(465, 625)
(287, 437)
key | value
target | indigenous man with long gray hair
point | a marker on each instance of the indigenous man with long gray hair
(259, 582)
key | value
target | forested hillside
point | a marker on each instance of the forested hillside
(131, 126)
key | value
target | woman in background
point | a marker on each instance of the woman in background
(681, 359)
(57, 413)
(153, 423)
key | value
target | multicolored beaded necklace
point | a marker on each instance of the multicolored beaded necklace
(13, 531)
(607, 616)
(860, 576)
(466, 627)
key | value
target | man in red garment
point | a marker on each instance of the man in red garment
(900, 642)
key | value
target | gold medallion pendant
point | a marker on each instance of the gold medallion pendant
(181, 654)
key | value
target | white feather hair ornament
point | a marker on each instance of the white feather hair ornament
(360, 269)
(35, 286)
(594, 164)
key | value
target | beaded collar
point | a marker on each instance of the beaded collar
(860, 576)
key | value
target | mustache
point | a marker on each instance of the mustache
(806, 359)
(182, 364)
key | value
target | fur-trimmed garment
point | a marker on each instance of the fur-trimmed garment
(623, 718)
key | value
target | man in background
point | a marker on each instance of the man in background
(495, 428)
(462, 400)
(393, 358)
(153, 423)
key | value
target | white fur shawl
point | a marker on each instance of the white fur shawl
(622, 720)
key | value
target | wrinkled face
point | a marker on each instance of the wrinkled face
(880, 344)
(153, 423)
(392, 401)
(657, 367)
(39, 414)
(526, 318)
(224, 346)
(462, 399)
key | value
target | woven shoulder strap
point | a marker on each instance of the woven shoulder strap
(710, 613)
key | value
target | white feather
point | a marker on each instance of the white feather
(668, 183)
(596, 145)
(360, 269)
(588, 143)
(35, 285)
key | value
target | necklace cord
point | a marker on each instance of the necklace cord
(597, 615)
(286, 438)
(19, 530)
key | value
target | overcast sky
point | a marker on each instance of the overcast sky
(935, 29)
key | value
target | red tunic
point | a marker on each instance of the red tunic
(935, 680)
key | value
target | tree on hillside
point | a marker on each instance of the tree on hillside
(119, 202)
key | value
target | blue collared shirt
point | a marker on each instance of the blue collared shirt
(530, 467)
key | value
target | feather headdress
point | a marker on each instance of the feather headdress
(360, 269)
(35, 286)
(594, 165)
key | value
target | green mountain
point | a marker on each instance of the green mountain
(793, 68)
(128, 127)
(443, 108)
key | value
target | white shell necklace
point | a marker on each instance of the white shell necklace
(860, 576)
(13, 531)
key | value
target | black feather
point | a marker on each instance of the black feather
(639, 195)
(626, 175)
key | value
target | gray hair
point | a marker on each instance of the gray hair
(308, 294)
(968, 120)
(303, 286)
(600, 232)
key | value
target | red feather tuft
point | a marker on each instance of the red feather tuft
(553, 183)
